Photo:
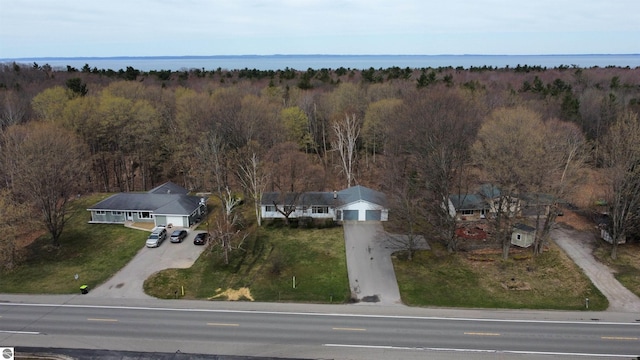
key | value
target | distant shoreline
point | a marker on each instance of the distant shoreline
(293, 55)
(304, 62)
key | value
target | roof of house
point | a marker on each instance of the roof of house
(166, 204)
(489, 191)
(158, 201)
(524, 227)
(325, 198)
(320, 198)
(359, 192)
(468, 202)
(169, 188)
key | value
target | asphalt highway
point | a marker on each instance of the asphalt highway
(279, 330)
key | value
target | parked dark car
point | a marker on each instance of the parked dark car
(178, 235)
(200, 239)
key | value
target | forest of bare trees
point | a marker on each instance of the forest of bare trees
(416, 134)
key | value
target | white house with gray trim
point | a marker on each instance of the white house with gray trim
(357, 203)
(166, 204)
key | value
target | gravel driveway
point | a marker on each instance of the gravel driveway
(372, 278)
(128, 282)
(579, 246)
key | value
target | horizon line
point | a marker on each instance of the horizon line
(291, 55)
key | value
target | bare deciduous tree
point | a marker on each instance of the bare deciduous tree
(227, 231)
(621, 153)
(561, 169)
(347, 133)
(49, 168)
(508, 147)
(253, 177)
(16, 219)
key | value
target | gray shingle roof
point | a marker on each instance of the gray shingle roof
(347, 196)
(524, 227)
(468, 202)
(359, 192)
(158, 201)
(308, 198)
(169, 188)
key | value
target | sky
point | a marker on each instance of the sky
(101, 28)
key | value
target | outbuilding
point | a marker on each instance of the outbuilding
(523, 235)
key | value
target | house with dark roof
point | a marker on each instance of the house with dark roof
(486, 201)
(166, 204)
(357, 203)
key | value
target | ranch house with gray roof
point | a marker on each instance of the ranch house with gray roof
(166, 204)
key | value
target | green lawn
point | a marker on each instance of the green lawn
(548, 281)
(266, 267)
(93, 251)
(268, 261)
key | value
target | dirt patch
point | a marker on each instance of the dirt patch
(233, 294)
(576, 221)
(514, 284)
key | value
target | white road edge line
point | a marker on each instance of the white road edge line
(383, 347)
(20, 332)
(321, 314)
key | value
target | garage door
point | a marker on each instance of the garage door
(373, 215)
(175, 220)
(350, 215)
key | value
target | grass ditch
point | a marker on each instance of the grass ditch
(471, 280)
(626, 266)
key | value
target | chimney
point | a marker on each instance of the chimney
(335, 194)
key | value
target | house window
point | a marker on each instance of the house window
(467, 212)
(518, 236)
(101, 212)
(289, 208)
(116, 213)
(144, 215)
(320, 209)
(270, 208)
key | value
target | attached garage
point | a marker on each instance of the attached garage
(359, 203)
(350, 215)
(177, 220)
(373, 215)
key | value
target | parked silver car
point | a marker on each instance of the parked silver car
(156, 238)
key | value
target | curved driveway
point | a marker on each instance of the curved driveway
(579, 246)
(128, 282)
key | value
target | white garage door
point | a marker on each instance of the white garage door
(175, 220)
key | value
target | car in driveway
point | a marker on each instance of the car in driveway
(178, 235)
(200, 239)
(156, 238)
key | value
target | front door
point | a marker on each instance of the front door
(129, 216)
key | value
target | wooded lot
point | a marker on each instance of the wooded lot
(417, 135)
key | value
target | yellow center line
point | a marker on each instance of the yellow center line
(100, 319)
(348, 329)
(482, 334)
(618, 338)
(222, 324)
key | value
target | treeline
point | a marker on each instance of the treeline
(301, 130)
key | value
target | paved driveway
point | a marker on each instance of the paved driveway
(371, 275)
(579, 246)
(128, 282)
